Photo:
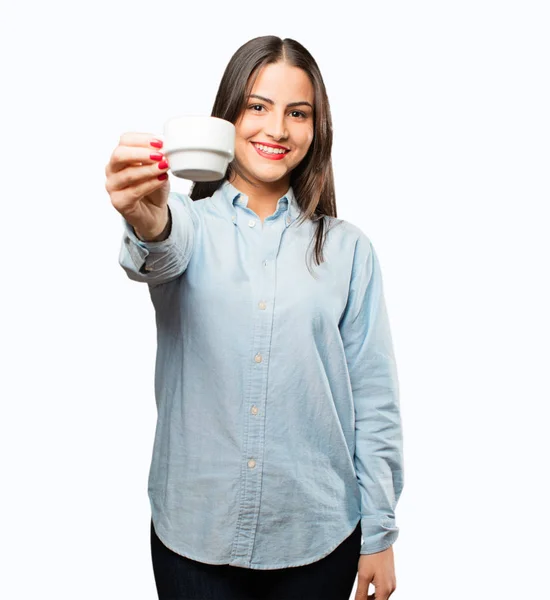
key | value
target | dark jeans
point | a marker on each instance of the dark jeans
(330, 578)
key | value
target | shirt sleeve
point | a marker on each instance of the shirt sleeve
(159, 262)
(378, 459)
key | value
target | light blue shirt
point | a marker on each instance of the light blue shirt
(277, 393)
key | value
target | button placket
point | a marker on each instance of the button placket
(263, 286)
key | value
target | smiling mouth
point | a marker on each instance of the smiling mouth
(277, 155)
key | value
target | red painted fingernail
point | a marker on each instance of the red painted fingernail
(163, 164)
(155, 156)
(163, 176)
(156, 143)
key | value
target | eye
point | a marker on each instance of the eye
(301, 114)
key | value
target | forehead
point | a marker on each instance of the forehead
(282, 82)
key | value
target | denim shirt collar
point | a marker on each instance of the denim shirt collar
(232, 196)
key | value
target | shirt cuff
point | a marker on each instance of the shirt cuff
(160, 262)
(378, 534)
(139, 250)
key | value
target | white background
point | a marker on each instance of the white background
(441, 155)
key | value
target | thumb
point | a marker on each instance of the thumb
(363, 590)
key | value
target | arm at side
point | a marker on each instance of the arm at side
(365, 331)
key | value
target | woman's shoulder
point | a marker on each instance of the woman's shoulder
(348, 231)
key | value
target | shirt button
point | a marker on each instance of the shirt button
(251, 463)
(254, 410)
(262, 305)
(258, 358)
(251, 223)
(265, 263)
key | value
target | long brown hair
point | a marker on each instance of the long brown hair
(312, 180)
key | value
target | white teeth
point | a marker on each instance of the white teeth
(270, 150)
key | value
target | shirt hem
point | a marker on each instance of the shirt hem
(256, 566)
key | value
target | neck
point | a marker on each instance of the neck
(262, 199)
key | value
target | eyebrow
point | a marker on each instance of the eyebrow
(301, 103)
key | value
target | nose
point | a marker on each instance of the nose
(275, 127)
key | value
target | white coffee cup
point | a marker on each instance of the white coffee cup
(199, 147)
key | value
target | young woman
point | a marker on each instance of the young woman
(279, 438)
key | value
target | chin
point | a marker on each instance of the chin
(273, 176)
(267, 175)
(273, 179)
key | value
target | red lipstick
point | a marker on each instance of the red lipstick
(270, 156)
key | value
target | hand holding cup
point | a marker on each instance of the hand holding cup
(137, 182)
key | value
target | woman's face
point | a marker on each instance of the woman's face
(283, 116)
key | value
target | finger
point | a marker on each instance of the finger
(142, 140)
(125, 156)
(379, 596)
(125, 200)
(134, 175)
(132, 139)
(361, 593)
(136, 138)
